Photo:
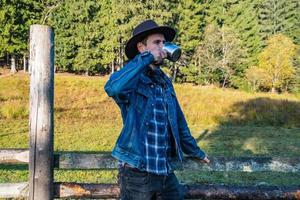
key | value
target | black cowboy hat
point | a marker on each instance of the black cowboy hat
(141, 31)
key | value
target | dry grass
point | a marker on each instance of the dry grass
(214, 106)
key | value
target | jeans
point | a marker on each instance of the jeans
(139, 185)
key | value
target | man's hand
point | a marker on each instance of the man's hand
(159, 56)
(206, 160)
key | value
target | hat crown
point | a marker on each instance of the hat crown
(144, 26)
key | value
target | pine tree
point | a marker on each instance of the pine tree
(280, 16)
(77, 36)
(241, 17)
(65, 47)
(85, 32)
(15, 19)
(244, 21)
(117, 21)
(293, 18)
(189, 24)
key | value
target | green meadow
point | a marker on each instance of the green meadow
(225, 122)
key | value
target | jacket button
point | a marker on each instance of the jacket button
(152, 86)
(152, 104)
(147, 123)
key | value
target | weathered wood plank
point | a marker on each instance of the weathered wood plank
(41, 112)
(241, 192)
(79, 191)
(14, 156)
(14, 190)
(105, 161)
(109, 191)
(85, 161)
(247, 164)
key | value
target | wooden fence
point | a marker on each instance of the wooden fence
(105, 161)
(42, 160)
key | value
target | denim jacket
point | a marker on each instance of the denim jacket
(133, 91)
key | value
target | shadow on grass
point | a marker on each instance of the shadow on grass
(23, 167)
(260, 126)
(264, 112)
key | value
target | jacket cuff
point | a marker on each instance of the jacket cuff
(201, 154)
(147, 57)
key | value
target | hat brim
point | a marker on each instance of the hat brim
(131, 49)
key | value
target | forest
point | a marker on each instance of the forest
(251, 45)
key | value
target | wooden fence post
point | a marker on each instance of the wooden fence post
(41, 112)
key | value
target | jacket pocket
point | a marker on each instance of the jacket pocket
(142, 96)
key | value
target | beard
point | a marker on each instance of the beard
(158, 62)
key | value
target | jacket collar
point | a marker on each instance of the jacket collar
(145, 79)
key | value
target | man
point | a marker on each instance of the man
(155, 133)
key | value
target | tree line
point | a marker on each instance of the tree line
(246, 44)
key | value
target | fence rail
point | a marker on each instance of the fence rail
(71, 160)
(105, 161)
(109, 191)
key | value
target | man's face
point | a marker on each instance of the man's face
(154, 42)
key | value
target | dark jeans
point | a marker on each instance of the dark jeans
(138, 185)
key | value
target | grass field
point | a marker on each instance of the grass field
(224, 122)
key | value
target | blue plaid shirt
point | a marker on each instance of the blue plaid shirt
(158, 140)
